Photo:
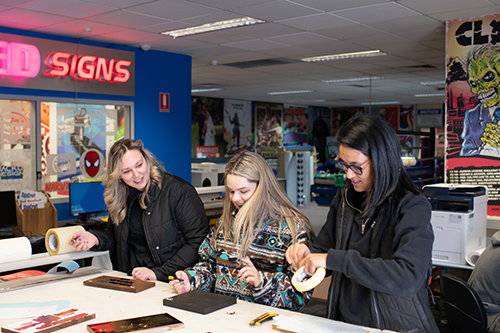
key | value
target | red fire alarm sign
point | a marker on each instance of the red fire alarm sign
(164, 102)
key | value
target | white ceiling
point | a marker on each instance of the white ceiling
(411, 31)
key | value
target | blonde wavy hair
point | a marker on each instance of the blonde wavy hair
(268, 202)
(116, 192)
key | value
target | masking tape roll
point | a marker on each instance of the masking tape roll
(409, 161)
(312, 282)
(57, 240)
(15, 249)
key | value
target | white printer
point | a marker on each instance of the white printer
(458, 220)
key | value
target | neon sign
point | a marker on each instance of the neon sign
(18, 59)
(87, 67)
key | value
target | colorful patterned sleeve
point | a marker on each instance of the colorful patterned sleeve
(276, 288)
(202, 276)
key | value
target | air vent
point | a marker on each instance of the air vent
(261, 63)
(359, 85)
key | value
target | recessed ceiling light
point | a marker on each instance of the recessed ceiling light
(204, 90)
(353, 79)
(221, 25)
(381, 103)
(430, 95)
(289, 92)
(372, 53)
(432, 83)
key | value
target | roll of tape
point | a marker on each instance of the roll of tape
(57, 240)
(301, 285)
(15, 249)
(409, 161)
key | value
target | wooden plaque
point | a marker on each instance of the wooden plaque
(49, 322)
(202, 302)
(147, 324)
(119, 283)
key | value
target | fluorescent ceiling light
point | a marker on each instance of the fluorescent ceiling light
(432, 83)
(221, 25)
(289, 92)
(204, 90)
(430, 95)
(372, 53)
(381, 103)
(353, 79)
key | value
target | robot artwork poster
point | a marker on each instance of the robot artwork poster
(473, 104)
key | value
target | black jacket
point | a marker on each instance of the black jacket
(174, 223)
(398, 269)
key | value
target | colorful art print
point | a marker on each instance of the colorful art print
(388, 113)
(295, 125)
(473, 105)
(50, 322)
(268, 129)
(153, 323)
(237, 126)
(341, 115)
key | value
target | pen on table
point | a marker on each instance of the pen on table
(173, 278)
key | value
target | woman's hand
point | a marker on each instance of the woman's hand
(181, 285)
(83, 240)
(144, 274)
(250, 273)
(296, 254)
(313, 261)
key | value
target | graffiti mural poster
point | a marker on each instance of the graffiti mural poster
(473, 105)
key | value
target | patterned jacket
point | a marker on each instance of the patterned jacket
(218, 268)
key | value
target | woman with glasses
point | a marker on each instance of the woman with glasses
(377, 240)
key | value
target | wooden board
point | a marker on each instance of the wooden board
(154, 323)
(49, 322)
(118, 283)
(199, 301)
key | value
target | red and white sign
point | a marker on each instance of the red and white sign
(164, 102)
(34, 63)
(207, 151)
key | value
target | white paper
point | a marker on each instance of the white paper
(27, 310)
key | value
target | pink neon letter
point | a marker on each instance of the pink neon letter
(24, 60)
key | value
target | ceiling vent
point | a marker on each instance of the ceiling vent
(419, 67)
(261, 63)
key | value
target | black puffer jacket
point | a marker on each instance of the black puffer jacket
(174, 223)
(398, 268)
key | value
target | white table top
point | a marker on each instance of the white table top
(113, 305)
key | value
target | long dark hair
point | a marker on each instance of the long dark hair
(377, 139)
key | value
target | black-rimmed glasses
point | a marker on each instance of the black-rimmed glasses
(357, 169)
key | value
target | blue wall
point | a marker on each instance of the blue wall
(166, 135)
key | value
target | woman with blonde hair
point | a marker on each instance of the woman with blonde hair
(244, 254)
(156, 220)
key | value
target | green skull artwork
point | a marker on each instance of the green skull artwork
(483, 72)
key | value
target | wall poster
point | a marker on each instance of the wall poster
(237, 126)
(207, 127)
(268, 129)
(17, 145)
(75, 139)
(473, 105)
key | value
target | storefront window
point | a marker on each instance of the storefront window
(75, 140)
(17, 144)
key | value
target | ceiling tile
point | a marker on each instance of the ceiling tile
(254, 45)
(71, 8)
(376, 13)
(229, 4)
(268, 29)
(37, 19)
(117, 3)
(172, 9)
(302, 38)
(329, 5)
(442, 6)
(123, 18)
(318, 22)
(466, 13)
(78, 26)
(275, 11)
